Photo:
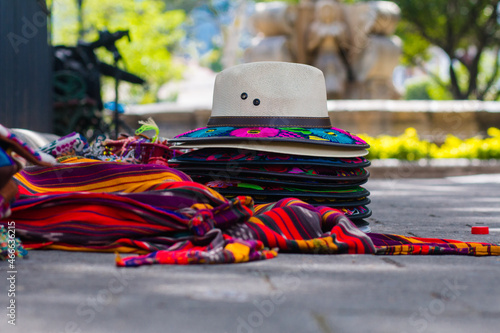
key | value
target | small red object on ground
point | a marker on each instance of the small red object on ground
(480, 230)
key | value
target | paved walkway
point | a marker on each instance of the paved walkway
(78, 292)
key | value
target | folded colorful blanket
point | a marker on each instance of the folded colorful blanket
(183, 222)
(80, 174)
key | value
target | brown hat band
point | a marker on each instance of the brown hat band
(306, 122)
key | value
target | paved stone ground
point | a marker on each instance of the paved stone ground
(80, 292)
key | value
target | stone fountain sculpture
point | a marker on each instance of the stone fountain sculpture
(353, 44)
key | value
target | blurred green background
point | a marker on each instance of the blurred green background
(450, 48)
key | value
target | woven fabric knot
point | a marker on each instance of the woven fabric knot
(202, 222)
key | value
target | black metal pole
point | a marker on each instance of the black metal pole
(80, 19)
(117, 83)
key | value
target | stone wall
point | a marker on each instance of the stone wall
(432, 119)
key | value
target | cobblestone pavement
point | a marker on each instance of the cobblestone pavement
(84, 292)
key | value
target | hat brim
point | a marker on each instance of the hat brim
(199, 178)
(318, 136)
(294, 148)
(224, 172)
(293, 192)
(354, 212)
(252, 157)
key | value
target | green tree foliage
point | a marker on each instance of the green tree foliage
(426, 89)
(154, 31)
(467, 31)
(418, 90)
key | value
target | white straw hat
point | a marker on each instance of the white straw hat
(271, 101)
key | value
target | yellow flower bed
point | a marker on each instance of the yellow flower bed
(408, 146)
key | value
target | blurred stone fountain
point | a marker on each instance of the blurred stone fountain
(353, 44)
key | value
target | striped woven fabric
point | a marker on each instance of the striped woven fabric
(96, 176)
(402, 245)
(202, 228)
(174, 221)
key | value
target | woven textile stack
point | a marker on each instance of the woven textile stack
(269, 136)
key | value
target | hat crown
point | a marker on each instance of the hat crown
(270, 89)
